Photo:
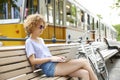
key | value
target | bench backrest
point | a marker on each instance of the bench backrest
(111, 42)
(104, 50)
(14, 63)
(100, 45)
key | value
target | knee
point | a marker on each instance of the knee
(84, 61)
(85, 73)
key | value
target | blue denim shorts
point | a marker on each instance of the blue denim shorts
(48, 68)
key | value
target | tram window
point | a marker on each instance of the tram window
(10, 9)
(49, 8)
(71, 19)
(59, 12)
(68, 13)
(88, 19)
(74, 17)
(102, 26)
(78, 17)
(82, 16)
(91, 18)
(97, 24)
(93, 26)
(31, 7)
(79, 22)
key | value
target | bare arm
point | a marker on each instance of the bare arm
(34, 60)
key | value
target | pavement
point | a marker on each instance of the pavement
(114, 69)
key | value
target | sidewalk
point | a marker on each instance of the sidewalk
(114, 69)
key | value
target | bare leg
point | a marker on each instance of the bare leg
(67, 68)
(90, 70)
(81, 73)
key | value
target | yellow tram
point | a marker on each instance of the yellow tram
(67, 20)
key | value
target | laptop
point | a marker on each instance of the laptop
(72, 53)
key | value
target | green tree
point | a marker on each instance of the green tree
(117, 27)
(12, 3)
(116, 4)
(73, 10)
(99, 16)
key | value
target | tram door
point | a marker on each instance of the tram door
(93, 35)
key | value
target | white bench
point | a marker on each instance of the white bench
(97, 62)
(111, 42)
(106, 53)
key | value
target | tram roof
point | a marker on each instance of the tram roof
(108, 25)
(77, 4)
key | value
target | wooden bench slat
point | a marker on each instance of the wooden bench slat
(63, 78)
(38, 77)
(62, 46)
(14, 66)
(15, 73)
(33, 75)
(12, 59)
(12, 53)
(20, 77)
(50, 78)
(30, 76)
(60, 52)
(66, 55)
(59, 48)
(8, 48)
(55, 45)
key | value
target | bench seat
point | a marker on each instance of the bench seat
(108, 53)
(103, 47)
(14, 65)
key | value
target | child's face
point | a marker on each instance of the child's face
(38, 29)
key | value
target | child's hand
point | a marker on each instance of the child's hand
(58, 59)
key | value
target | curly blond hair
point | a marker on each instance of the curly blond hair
(32, 21)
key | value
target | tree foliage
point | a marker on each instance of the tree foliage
(118, 0)
(115, 5)
(12, 2)
(117, 27)
(99, 16)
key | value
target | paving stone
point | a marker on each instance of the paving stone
(114, 69)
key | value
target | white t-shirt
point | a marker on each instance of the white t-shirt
(40, 50)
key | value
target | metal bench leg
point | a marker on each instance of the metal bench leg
(111, 61)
